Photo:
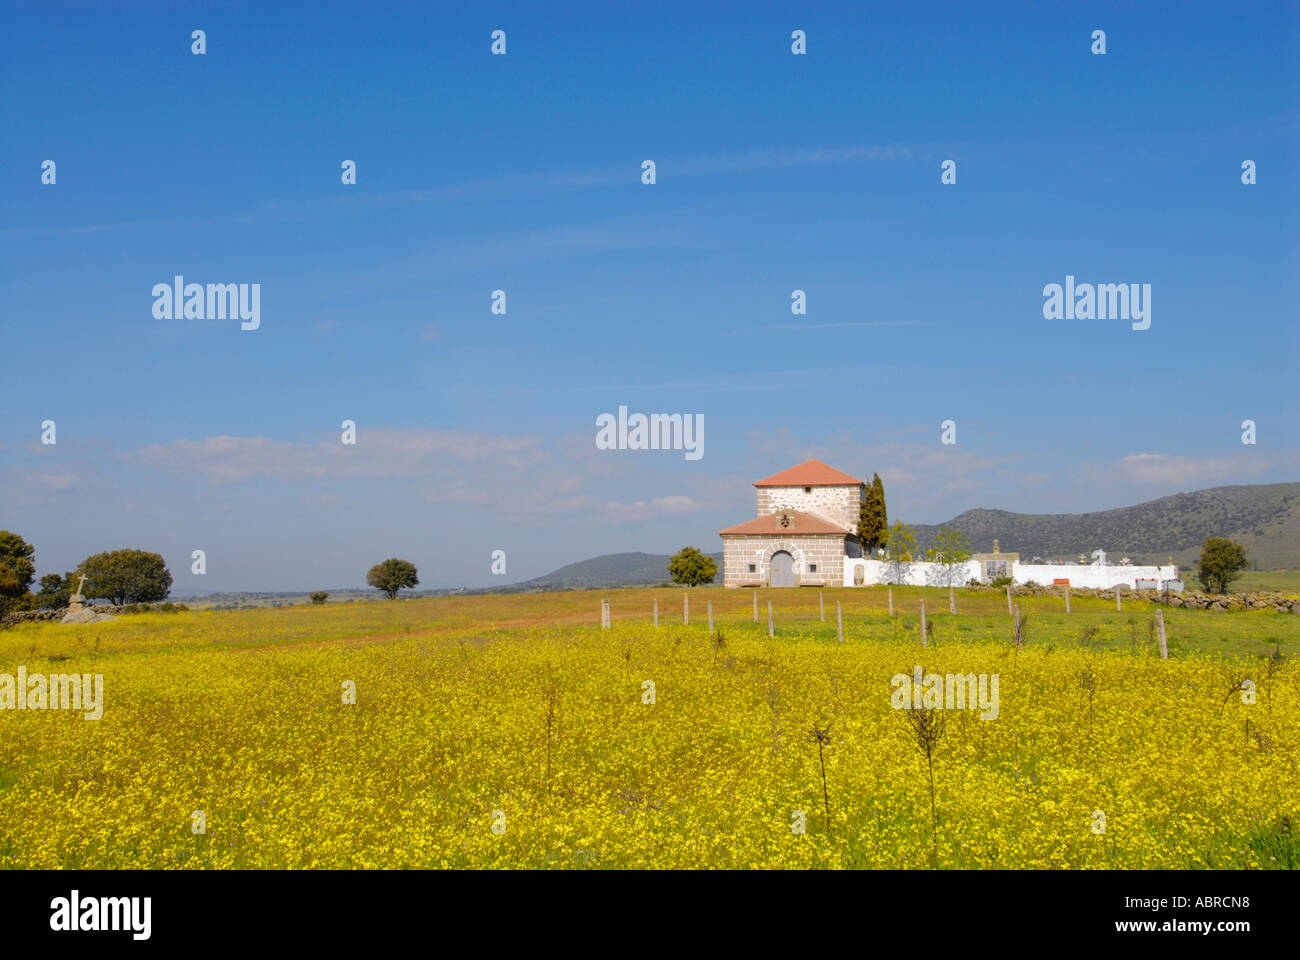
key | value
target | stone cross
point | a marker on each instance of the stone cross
(76, 600)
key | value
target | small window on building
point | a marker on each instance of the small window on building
(807, 489)
(752, 568)
(812, 568)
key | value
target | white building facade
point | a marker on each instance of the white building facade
(865, 572)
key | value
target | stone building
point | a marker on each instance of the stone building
(993, 566)
(806, 525)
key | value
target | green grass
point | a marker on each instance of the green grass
(982, 616)
(1278, 845)
(1281, 581)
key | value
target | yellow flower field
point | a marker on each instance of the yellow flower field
(534, 747)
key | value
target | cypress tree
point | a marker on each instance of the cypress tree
(873, 520)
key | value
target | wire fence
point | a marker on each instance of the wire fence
(926, 616)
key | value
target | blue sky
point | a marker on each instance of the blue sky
(521, 172)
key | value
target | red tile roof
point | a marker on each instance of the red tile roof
(801, 524)
(810, 473)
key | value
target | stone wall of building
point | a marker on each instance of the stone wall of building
(839, 504)
(827, 552)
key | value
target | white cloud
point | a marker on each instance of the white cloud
(1188, 473)
(55, 481)
(675, 505)
(379, 452)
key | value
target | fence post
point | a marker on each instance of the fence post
(710, 616)
(923, 643)
(756, 606)
(891, 601)
(952, 599)
(604, 614)
(839, 623)
(821, 606)
(1160, 635)
(1015, 618)
(771, 629)
(1119, 600)
(656, 612)
(686, 608)
(1067, 599)
(1010, 613)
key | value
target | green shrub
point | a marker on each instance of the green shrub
(691, 568)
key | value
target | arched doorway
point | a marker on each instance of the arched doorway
(782, 569)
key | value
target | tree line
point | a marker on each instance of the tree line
(125, 577)
(118, 576)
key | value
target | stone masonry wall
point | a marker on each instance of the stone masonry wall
(839, 504)
(826, 551)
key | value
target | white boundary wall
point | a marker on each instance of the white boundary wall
(914, 574)
(922, 574)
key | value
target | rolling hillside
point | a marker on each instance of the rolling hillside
(611, 570)
(1263, 518)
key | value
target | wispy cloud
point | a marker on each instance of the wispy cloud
(56, 481)
(1183, 472)
(514, 249)
(380, 452)
(627, 173)
(541, 182)
(73, 230)
(508, 478)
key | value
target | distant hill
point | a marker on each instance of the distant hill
(1264, 518)
(611, 570)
